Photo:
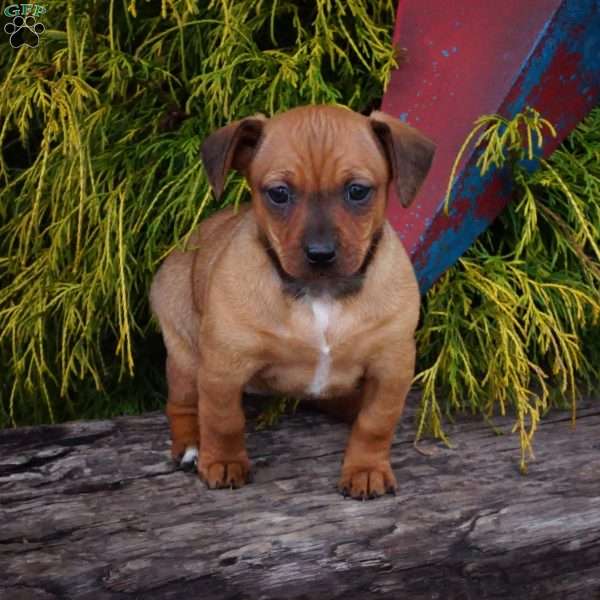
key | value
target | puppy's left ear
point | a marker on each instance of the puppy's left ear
(231, 147)
(409, 153)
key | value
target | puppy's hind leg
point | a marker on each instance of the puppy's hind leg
(172, 304)
(182, 410)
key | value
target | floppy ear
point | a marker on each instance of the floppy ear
(409, 154)
(231, 147)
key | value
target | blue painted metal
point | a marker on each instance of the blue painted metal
(556, 72)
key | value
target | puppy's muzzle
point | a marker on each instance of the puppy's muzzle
(320, 254)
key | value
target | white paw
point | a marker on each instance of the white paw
(189, 460)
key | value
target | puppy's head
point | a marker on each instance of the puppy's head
(319, 177)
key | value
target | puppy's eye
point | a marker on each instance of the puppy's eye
(358, 193)
(279, 195)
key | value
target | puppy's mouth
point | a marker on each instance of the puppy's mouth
(323, 280)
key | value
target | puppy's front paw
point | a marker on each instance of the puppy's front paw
(365, 483)
(220, 475)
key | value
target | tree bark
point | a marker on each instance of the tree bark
(97, 510)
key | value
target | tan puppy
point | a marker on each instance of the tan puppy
(306, 292)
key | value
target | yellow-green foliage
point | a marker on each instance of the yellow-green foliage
(273, 409)
(514, 325)
(100, 171)
(99, 176)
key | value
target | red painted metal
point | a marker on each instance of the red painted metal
(468, 58)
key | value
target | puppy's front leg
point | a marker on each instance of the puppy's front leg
(366, 471)
(223, 459)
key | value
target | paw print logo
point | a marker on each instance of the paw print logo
(24, 31)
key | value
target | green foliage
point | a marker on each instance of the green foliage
(100, 173)
(516, 322)
(274, 409)
(99, 177)
(501, 139)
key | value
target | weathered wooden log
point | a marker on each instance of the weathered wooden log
(97, 510)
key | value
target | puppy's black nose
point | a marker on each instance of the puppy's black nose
(320, 253)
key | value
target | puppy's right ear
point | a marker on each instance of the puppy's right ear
(231, 147)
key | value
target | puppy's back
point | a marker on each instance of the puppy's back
(178, 288)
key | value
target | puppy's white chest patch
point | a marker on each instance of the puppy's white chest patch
(322, 310)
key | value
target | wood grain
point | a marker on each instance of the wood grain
(97, 510)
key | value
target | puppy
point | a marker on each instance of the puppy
(306, 292)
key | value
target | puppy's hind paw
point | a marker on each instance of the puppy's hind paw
(189, 459)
